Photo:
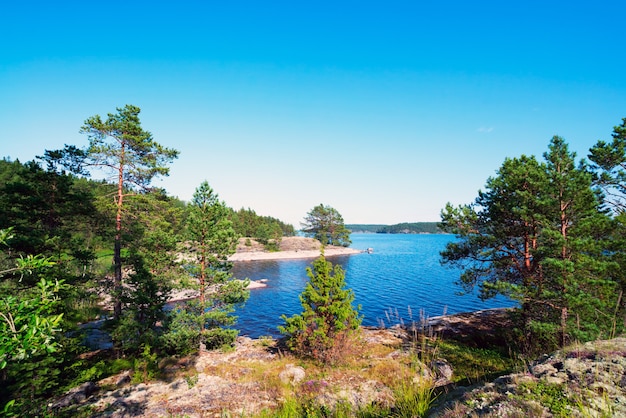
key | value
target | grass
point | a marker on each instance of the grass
(379, 376)
(375, 380)
(472, 365)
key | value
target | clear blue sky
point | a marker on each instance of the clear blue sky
(383, 110)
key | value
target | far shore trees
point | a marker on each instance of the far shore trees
(122, 147)
(537, 234)
(326, 224)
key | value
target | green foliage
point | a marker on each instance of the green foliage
(609, 164)
(121, 142)
(122, 147)
(325, 224)
(152, 251)
(328, 322)
(146, 366)
(28, 324)
(192, 323)
(401, 228)
(538, 235)
(413, 399)
(369, 228)
(213, 239)
(29, 383)
(551, 395)
(183, 327)
(247, 223)
(411, 228)
(471, 364)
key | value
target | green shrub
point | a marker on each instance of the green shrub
(146, 367)
(326, 326)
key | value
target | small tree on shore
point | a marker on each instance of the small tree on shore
(325, 224)
(326, 326)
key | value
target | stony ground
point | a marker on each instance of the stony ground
(587, 380)
(241, 382)
(581, 381)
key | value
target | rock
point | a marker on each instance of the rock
(590, 382)
(543, 369)
(292, 374)
(443, 372)
(76, 395)
(117, 380)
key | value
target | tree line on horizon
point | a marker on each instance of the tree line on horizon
(400, 228)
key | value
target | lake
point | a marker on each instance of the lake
(403, 275)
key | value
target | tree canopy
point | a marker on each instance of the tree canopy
(537, 234)
(122, 147)
(328, 319)
(212, 239)
(609, 163)
(325, 224)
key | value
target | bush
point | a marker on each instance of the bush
(324, 330)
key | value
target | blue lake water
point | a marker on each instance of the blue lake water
(403, 275)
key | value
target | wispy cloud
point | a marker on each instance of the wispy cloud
(485, 129)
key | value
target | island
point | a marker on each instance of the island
(289, 248)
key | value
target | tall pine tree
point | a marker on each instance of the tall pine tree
(122, 147)
(537, 234)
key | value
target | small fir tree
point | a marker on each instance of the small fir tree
(205, 321)
(327, 324)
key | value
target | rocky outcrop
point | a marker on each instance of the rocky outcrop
(587, 380)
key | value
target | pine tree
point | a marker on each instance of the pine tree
(325, 327)
(325, 224)
(120, 145)
(538, 235)
(213, 239)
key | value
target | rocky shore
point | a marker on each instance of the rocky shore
(289, 248)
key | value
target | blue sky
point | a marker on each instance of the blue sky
(383, 110)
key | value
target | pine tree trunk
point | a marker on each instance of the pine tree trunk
(117, 252)
(563, 326)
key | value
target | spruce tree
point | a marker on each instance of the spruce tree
(328, 322)
(206, 321)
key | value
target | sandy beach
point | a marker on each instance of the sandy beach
(290, 255)
(291, 248)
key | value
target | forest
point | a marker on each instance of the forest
(401, 228)
(550, 234)
(72, 245)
